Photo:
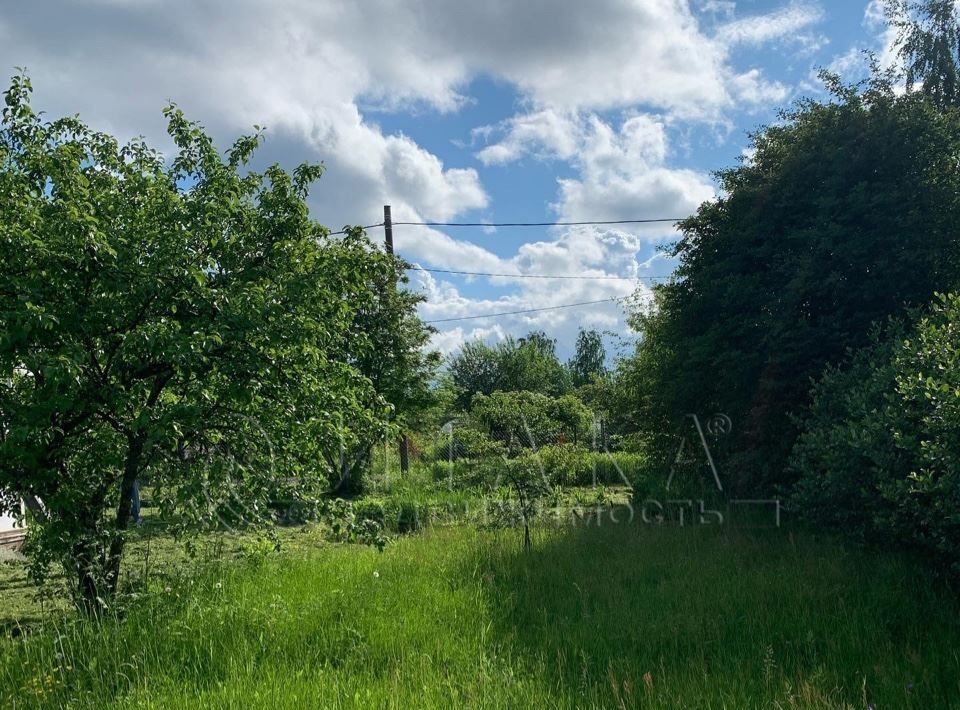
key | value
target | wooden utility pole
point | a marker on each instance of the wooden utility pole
(388, 243)
(388, 229)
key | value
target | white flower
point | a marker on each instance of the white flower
(376, 575)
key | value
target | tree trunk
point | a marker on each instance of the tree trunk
(344, 471)
(131, 469)
(87, 569)
(404, 454)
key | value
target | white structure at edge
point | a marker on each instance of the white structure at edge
(10, 532)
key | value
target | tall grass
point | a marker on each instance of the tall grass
(599, 616)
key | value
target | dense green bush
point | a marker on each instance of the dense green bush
(879, 456)
(846, 447)
(569, 465)
(808, 245)
(468, 443)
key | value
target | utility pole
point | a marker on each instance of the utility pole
(388, 243)
(388, 229)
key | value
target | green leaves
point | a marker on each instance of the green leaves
(589, 359)
(182, 323)
(845, 215)
(878, 455)
(528, 364)
(928, 45)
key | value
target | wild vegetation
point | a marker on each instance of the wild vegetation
(335, 516)
(828, 245)
(591, 616)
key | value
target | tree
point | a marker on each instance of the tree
(845, 215)
(531, 364)
(572, 418)
(528, 364)
(516, 419)
(608, 400)
(400, 367)
(181, 321)
(928, 45)
(878, 455)
(589, 359)
(527, 481)
(475, 369)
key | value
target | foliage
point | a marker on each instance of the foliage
(529, 363)
(526, 480)
(845, 447)
(878, 457)
(458, 617)
(928, 45)
(589, 359)
(515, 419)
(469, 442)
(573, 419)
(347, 526)
(474, 370)
(568, 465)
(400, 368)
(845, 215)
(182, 321)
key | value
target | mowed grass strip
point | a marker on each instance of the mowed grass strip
(608, 616)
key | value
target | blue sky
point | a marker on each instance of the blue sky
(538, 110)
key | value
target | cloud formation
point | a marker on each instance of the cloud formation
(599, 84)
(786, 22)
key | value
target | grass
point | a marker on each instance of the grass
(594, 616)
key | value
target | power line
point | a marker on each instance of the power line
(660, 220)
(538, 276)
(344, 231)
(670, 220)
(527, 310)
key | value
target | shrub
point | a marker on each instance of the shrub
(468, 443)
(879, 456)
(568, 465)
(846, 445)
(347, 525)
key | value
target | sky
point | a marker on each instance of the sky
(464, 111)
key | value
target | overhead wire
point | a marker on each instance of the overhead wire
(539, 276)
(662, 220)
(344, 231)
(658, 220)
(528, 310)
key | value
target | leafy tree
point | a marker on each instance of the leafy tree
(182, 321)
(845, 446)
(528, 364)
(589, 359)
(928, 45)
(540, 343)
(517, 419)
(609, 399)
(475, 369)
(845, 215)
(400, 367)
(572, 418)
(878, 457)
(527, 482)
(531, 364)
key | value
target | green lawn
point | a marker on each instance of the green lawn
(609, 616)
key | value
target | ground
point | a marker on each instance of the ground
(595, 615)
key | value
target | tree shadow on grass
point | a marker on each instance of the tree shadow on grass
(625, 615)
